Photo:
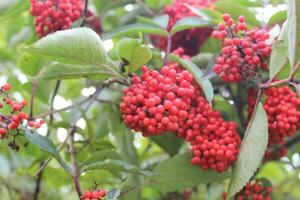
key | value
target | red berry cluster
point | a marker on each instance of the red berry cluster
(93, 195)
(283, 110)
(190, 39)
(244, 51)
(16, 116)
(53, 15)
(158, 101)
(254, 191)
(215, 142)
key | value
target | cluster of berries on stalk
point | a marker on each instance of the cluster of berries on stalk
(15, 116)
(53, 15)
(215, 142)
(158, 101)
(170, 100)
(244, 51)
(94, 195)
(253, 191)
(283, 110)
(192, 39)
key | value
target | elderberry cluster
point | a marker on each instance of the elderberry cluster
(254, 191)
(283, 110)
(53, 15)
(215, 142)
(93, 195)
(15, 115)
(158, 101)
(244, 51)
(190, 39)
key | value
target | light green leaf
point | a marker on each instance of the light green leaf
(235, 10)
(134, 29)
(178, 173)
(208, 14)
(73, 46)
(279, 55)
(160, 21)
(64, 71)
(294, 32)
(205, 84)
(30, 64)
(133, 52)
(190, 22)
(252, 151)
(46, 145)
(278, 17)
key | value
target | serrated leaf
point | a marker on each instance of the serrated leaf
(190, 22)
(134, 52)
(73, 46)
(205, 84)
(294, 32)
(64, 71)
(177, 173)
(113, 194)
(279, 55)
(252, 151)
(113, 165)
(46, 145)
(133, 29)
(235, 10)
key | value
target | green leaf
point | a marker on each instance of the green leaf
(279, 55)
(133, 52)
(235, 10)
(278, 17)
(294, 32)
(46, 145)
(113, 166)
(113, 194)
(64, 71)
(169, 142)
(160, 21)
(207, 14)
(252, 151)
(205, 84)
(73, 46)
(178, 173)
(190, 22)
(103, 155)
(30, 64)
(135, 28)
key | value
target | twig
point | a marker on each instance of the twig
(40, 174)
(169, 47)
(33, 91)
(84, 12)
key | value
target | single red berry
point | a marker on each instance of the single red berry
(102, 193)
(2, 131)
(6, 87)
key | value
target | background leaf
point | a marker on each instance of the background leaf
(190, 22)
(252, 151)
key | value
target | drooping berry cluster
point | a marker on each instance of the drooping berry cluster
(215, 142)
(254, 191)
(16, 116)
(244, 51)
(53, 15)
(158, 101)
(94, 195)
(283, 110)
(190, 39)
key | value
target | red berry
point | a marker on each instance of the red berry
(6, 87)
(102, 193)
(2, 131)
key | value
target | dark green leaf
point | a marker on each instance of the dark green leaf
(46, 145)
(134, 29)
(169, 142)
(252, 151)
(190, 22)
(103, 155)
(178, 173)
